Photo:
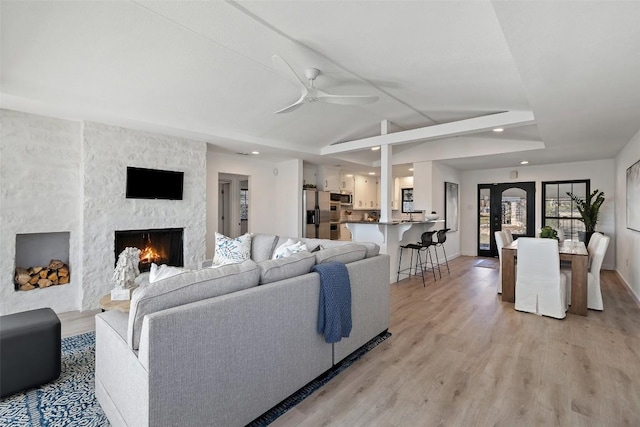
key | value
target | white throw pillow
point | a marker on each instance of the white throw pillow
(163, 272)
(231, 251)
(288, 248)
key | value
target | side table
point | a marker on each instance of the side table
(120, 305)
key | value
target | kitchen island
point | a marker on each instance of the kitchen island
(391, 235)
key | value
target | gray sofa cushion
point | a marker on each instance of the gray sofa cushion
(284, 268)
(346, 253)
(262, 246)
(372, 248)
(186, 288)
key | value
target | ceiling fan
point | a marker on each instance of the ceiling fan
(311, 94)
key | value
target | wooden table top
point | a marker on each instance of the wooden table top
(120, 305)
(568, 247)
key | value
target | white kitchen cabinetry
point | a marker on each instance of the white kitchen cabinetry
(347, 182)
(309, 174)
(328, 178)
(395, 197)
(365, 195)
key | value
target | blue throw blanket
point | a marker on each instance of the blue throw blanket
(334, 311)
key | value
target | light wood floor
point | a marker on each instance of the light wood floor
(459, 356)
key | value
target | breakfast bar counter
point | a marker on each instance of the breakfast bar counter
(391, 235)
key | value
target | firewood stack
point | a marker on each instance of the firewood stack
(56, 273)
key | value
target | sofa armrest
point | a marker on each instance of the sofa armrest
(370, 306)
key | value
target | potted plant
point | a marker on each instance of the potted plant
(589, 209)
(547, 232)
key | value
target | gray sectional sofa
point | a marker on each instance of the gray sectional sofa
(221, 346)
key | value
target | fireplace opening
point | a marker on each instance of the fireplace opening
(159, 246)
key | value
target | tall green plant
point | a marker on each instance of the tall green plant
(589, 208)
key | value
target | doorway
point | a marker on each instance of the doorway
(504, 206)
(233, 204)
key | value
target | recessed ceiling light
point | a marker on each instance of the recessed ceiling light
(372, 173)
(349, 175)
(375, 148)
(255, 152)
(498, 130)
(524, 162)
(411, 169)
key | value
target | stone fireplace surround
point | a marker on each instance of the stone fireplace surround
(80, 167)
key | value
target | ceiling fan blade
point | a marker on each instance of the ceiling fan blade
(293, 106)
(284, 67)
(346, 99)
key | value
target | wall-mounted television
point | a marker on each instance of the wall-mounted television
(154, 184)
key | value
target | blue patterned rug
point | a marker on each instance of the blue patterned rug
(70, 400)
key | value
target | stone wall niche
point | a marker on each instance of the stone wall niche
(45, 257)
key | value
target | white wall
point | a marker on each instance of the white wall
(600, 172)
(627, 242)
(40, 192)
(80, 167)
(289, 198)
(107, 151)
(442, 174)
(274, 199)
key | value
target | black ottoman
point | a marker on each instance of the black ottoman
(30, 350)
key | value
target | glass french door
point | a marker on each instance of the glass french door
(504, 206)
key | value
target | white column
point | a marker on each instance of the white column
(386, 177)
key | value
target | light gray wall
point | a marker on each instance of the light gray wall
(274, 197)
(627, 241)
(600, 172)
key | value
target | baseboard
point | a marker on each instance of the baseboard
(635, 297)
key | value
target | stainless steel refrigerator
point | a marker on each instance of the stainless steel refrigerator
(316, 214)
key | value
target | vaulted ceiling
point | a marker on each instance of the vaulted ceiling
(203, 70)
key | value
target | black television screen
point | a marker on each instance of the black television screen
(154, 184)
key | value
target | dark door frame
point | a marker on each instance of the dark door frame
(495, 220)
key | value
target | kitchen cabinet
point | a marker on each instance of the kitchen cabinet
(395, 196)
(309, 174)
(365, 195)
(328, 178)
(347, 182)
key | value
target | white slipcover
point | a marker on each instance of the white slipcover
(500, 243)
(540, 286)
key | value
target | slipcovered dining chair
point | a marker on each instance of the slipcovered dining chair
(500, 243)
(541, 287)
(591, 249)
(508, 237)
(593, 244)
(594, 291)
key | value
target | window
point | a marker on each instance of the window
(559, 211)
(244, 204)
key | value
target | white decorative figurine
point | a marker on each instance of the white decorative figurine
(125, 273)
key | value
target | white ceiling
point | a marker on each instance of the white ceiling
(203, 70)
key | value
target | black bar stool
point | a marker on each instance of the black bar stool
(442, 237)
(413, 247)
(426, 241)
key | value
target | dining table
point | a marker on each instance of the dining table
(574, 252)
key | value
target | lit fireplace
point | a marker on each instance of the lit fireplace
(159, 246)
